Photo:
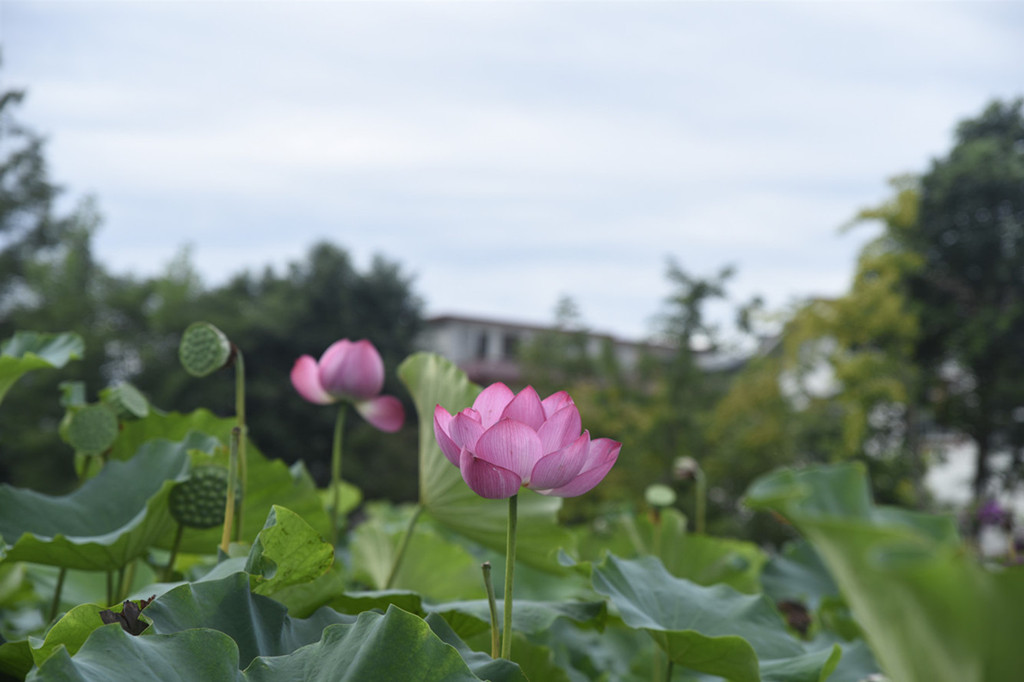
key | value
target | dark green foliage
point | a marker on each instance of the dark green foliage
(49, 281)
(969, 291)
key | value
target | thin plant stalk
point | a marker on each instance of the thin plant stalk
(510, 568)
(629, 526)
(169, 569)
(701, 501)
(656, 522)
(339, 426)
(403, 547)
(110, 588)
(127, 578)
(86, 465)
(55, 605)
(240, 423)
(493, 604)
(119, 585)
(229, 504)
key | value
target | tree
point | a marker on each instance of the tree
(969, 291)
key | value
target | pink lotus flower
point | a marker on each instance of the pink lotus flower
(350, 371)
(506, 441)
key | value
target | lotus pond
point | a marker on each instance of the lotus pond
(151, 569)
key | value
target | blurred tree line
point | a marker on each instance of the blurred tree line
(50, 281)
(927, 343)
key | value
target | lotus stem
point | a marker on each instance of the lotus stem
(656, 522)
(55, 605)
(119, 584)
(110, 588)
(510, 568)
(127, 578)
(240, 423)
(701, 502)
(86, 465)
(403, 547)
(339, 426)
(229, 504)
(491, 602)
(169, 569)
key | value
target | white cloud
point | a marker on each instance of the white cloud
(506, 152)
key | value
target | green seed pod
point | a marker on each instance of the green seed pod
(204, 349)
(91, 429)
(199, 502)
(659, 495)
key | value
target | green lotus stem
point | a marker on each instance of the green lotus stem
(629, 526)
(169, 568)
(403, 547)
(656, 522)
(229, 504)
(240, 423)
(339, 426)
(55, 605)
(127, 578)
(668, 676)
(510, 568)
(119, 584)
(86, 465)
(110, 588)
(491, 602)
(702, 499)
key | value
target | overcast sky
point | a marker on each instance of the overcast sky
(504, 154)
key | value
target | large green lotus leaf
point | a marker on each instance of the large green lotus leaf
(359, 601)
(482, 665)
(536, 661)
(287, 552)
(70, 631)
(393, 646)
(112, 655)
(433, 380)
(112, 519)
(26, 351)
(269, 482)
(703, 559)
(432, 566)
(304, 598)
(469, 618)
(373, 647)
(929, 610)
(714, 630)
(798, 574)
(259, 625)
(15, 659)
(618, 653)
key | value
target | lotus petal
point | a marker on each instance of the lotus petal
(306, 380)
(384, 412)
(488, 480)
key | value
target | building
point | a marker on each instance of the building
(487, 350)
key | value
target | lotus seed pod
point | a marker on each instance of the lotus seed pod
(204, 349)
(126, 401)
(659, 495)
(199, 501)
(92, 429)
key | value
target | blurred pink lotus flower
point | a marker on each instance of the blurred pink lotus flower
(507, 441)
(354, 372)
